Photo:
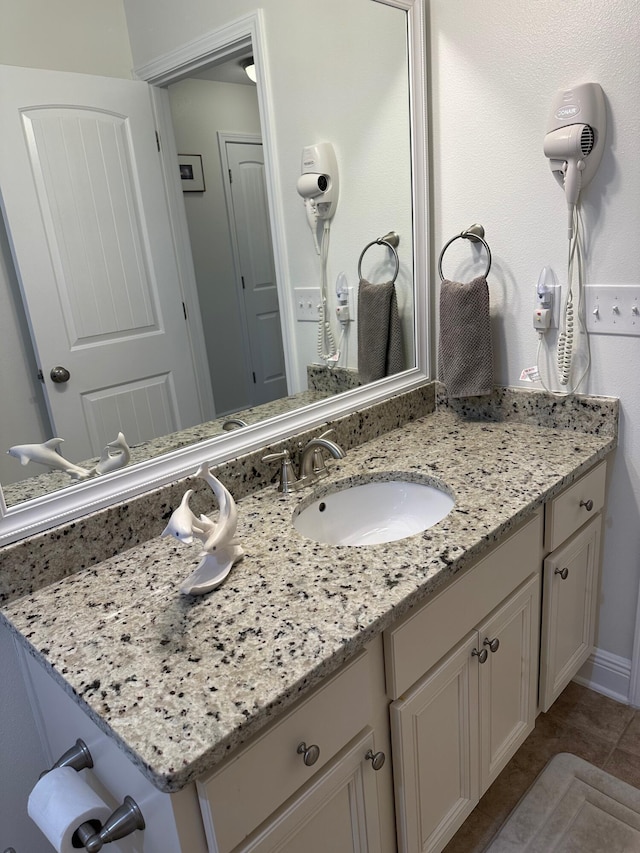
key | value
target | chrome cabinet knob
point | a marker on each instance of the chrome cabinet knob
(564, 573)
(481, 654)
(60, 375)
(494, 644)
(588, 505)
(377, 759)
(310, 754)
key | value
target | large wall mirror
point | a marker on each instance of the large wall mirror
(196, 325)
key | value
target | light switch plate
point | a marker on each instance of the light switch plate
(612, 309)
(307, 302)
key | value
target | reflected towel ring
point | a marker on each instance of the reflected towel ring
(389, 240)
(475, 233)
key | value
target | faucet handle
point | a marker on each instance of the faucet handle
(288, 480)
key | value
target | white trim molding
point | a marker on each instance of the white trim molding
(608, 674)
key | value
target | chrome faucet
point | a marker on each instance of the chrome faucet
(311, 467)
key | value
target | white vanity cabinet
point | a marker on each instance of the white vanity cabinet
(306, 782)
(455, 729)
(570, 582)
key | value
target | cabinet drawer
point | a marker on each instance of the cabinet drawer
(249, 787)
(423, 636)
(564, 514)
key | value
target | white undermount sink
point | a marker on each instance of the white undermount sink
(374, 512)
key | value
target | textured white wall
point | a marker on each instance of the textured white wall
(494, 70)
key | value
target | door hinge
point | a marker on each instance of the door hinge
(230, 177)
(184, 310)
(254, 378)
(242, 280)
(158, 140)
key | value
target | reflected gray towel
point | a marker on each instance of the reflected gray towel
(466, 354)
(379, 331)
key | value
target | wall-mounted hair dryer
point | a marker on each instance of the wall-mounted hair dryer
(319, 179)
(575, 140)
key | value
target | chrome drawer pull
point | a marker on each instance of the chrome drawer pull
(482, 655)
(564, 573)
(494, 644)
(377, 759)
(310, 754)
(588, 505)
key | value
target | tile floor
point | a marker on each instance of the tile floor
(582, 722)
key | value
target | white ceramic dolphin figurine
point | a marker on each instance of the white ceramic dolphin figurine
(225, 529)
(220, 549)
(184, 525)
(115, 455)
(46, 454)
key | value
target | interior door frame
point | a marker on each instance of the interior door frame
(246, 32)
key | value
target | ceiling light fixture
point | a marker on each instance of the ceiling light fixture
(249, 68)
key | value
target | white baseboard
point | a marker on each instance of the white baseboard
(608, 674)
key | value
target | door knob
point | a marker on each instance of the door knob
(564, 573)
(59, 374)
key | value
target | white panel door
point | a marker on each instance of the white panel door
(250, 221)
(86, 212)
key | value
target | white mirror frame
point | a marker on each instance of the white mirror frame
(72, 503)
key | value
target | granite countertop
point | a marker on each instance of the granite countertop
(179, 681)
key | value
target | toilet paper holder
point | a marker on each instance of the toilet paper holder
(123, 821)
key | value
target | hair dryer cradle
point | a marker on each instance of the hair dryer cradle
(575, 139)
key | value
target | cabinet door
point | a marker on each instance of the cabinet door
(508, 678)
(338, 810)
(434, 735)
(568, 611)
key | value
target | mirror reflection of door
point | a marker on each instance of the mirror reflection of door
(88, 224)
(248, 215)
(216, 115)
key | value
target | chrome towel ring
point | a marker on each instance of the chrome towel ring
(389, 240)
(475, 233)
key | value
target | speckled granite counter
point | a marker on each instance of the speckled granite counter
(179, 681)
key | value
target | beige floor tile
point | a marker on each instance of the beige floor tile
(624, 765)
(474, 834)
(591, 712)
(630, 740)
(551, 737)
(512, 784)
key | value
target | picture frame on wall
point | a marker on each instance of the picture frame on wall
(191, 173)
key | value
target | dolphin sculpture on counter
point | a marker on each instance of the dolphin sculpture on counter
(48, 454)
(220, 550)
(184, 525)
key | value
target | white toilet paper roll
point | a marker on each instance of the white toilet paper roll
(60, 802)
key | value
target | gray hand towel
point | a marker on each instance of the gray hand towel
(379, 331)
(466, 354)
